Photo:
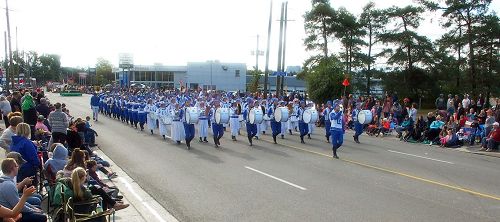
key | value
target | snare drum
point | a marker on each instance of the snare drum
(255, 116)
(365, 116)
(222, 116)
(310, 116)
(281, 114)
(192, 115)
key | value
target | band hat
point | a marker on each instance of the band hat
(496, 124)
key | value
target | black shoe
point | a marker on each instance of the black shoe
(233, 137)
(256, 137)
(282, 136)
(290, 131)
(188, 144)
(205, 140)
(274, 139)
(201, 141)
(164, 138)
(336, 157)
(178, 142)
(302, 141)
(308, 136)
(151, 132)
(264, 132)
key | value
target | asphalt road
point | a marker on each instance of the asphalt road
(380, 179)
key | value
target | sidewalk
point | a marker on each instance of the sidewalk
(142, 206)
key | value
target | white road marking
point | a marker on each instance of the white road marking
(276, 178)
(423, 157)
(136, 195)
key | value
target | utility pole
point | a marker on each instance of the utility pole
(266, 72)
(284, 47)
(5, 71)
(257, 53)
(10, 46)
(280, 50)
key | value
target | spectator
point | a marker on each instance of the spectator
(434, 129)
(43, 108)
(450, 140)
(59, 123)
(466, 102)
(405, 125)
(90, 133)
(431, 117)
(35, 199)
(29, 111)
(450, 105)
(460, 111)
(440, 102)
(6, 138)
(491, 142)
(82, 193)
(9, 196)
(23, 145)
(77, 160)
(413, 112)
(387, 106)
(452, 124)
(92, 167)
(490, 119)
(57, 162)
(40, 124)
(6, 109)
(15, 102)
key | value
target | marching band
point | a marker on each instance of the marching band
(183, 112)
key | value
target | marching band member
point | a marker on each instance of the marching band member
(203, 121)
(275, 125)
(129, 112)
(135, 112)
(293, 120)
(310, 126)
(263, 125)
(177, 131)
(303, 127)
(217, 129)
(251, 128)
(284, 125)
(358, 127)
(150, 109)
(141, 114)
(188, 127)
(162, 113)
(234, 122)
(337, 128)
(326, 114)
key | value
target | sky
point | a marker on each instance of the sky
(170, 32)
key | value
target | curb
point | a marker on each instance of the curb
(145, 206)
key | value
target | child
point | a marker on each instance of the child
(90, 134)
(40, 125)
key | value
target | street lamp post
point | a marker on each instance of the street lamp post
(211, 84)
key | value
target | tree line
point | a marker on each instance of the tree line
(465, 59)
(47, 68)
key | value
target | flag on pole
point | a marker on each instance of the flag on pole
(345, 82)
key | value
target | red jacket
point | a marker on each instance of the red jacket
(495, 134)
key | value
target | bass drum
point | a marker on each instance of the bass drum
(310, 116)
(365, 116)
(222, 116)
(192, 115)
(281, 114)
(255, 116)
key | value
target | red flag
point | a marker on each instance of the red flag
(345, 82)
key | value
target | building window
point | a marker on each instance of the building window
(237, 73)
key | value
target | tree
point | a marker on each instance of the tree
(104, 71)
(47, 67)
(410, 48)
(253, 87)
(324, 79)
(349, 31)
(373, 24)
(467, 14)
(316, 24)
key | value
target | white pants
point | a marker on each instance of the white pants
(151, 123)
(264, 125)
(163, 128)
(284, 126)
(235, 126)
(311, 127)
(178, 133)
(293, 123)
(203, 127)
(95, 112)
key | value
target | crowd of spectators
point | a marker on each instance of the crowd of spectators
(46, 146)
(456, 121)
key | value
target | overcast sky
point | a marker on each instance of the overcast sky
(171, 32)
